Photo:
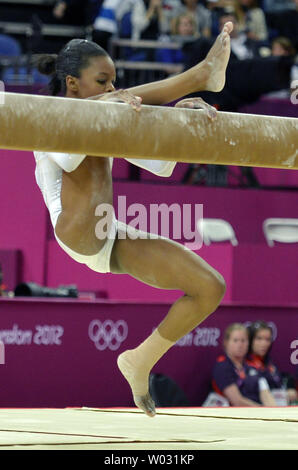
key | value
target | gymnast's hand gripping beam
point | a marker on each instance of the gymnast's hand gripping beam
(107, 129)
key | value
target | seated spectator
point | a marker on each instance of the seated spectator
(184, 27)
(217, 8)
(201, 15)
(247, 79)
(146, 18)
(136, 16)
(260, 344)
(251, 19)
(170, 9)
(282, 47)
(233, 378)
(240, 46)
(123, 16)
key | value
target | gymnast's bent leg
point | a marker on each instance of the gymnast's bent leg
(164, 264)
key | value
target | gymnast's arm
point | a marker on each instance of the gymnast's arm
(157, 167)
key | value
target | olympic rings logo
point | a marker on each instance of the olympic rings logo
(108, 334)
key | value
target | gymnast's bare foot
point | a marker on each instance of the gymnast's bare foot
(217, 59)
(146, 404)
(138, 379)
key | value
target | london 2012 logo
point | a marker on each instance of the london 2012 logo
(108, 334)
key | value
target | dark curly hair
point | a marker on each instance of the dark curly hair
(73, 58)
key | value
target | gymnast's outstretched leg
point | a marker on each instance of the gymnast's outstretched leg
(164, 264)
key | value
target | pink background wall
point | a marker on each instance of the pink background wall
(51, 360)
(23, 218)
(250, 269)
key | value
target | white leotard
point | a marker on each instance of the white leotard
(49, 171)
(50, 166)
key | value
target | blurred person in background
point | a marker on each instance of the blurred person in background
(220, 5)
(105, 24)
(184, 27)
(233, 378)
(285, 23)
(144, 16)
(216, 8)
(260, 344)
(251, 19)
(147, 19)
(140, 20)
(249, 75)
(80, 12)
(282, 47)
(240, 46)
(171, 9)
(201, 15)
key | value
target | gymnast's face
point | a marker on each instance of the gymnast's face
(99, 77)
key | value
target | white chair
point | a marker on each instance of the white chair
(280, 230)
(216, 230)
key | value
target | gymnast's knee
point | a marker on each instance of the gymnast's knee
(211, 296)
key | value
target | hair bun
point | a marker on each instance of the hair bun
(46, 64)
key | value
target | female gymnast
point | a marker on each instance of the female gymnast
(73, 186)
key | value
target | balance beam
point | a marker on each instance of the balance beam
(97, 128)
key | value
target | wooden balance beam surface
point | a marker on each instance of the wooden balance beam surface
(97, 128)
